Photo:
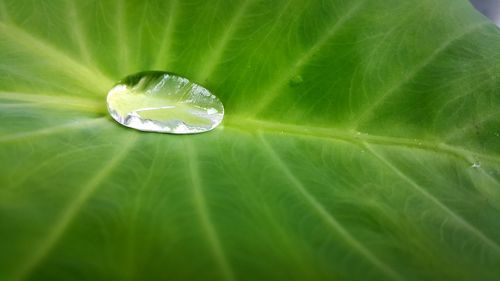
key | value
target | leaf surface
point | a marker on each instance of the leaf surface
(361, 142)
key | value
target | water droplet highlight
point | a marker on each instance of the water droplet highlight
(476, 165)
(157, 101)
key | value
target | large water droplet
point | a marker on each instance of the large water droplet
(158, 101)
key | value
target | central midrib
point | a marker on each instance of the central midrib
(252, 125)
(354, 137)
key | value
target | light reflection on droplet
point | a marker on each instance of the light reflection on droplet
(163, 102)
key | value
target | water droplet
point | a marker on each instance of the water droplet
(296, 80)
(476, 164)
(157, 101)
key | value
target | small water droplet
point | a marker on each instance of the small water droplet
(157, 101)
(476, 164)
(296, 80)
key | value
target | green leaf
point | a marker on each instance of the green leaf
(360, 142)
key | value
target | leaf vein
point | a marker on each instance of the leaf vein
(204, 215)
(164, 52)
(38, 46)
(274, 90)
(356, 138)
(58, 101)
(50, 130)
(70, 213)
(214, 57)
(422, 191)
(327, 217)
(367, 113)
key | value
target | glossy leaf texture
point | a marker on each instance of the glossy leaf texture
(360, 142)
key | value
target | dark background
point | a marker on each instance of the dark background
(490, 8)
